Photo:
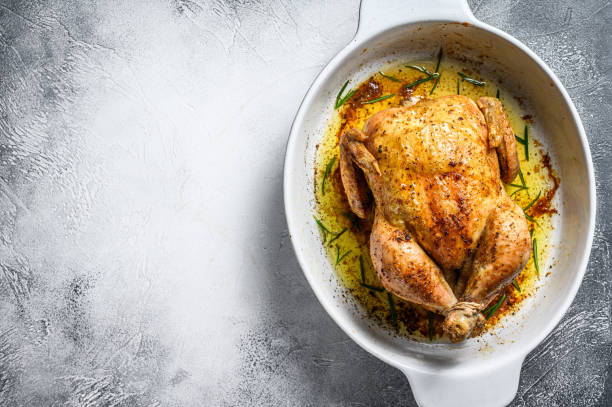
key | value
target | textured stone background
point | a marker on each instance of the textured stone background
(144, 255)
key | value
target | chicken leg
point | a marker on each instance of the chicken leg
(405, 269)
(504, 250)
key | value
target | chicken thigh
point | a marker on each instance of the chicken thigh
(446, 235)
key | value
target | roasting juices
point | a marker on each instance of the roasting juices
(346, 237)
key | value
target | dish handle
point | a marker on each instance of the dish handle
(493, 386)
(376, 15)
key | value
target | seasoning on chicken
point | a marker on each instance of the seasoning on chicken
(446, 234)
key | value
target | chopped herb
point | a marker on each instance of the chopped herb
(522, 178)
(340, 93)
(346, 98)
(437, 71)
(486, 310)
(328, 168)
(430, 77)
(435, 84)
(518, 190)
(529, 206)
(388, 76)
(531, 232)
(342, 100)
(470, 80)
(371, 287)
(535, 256)
(532, 202)
(515, 284)
(529, 218)
(526, 144)
(496, 306)
(497, 94)
(458, 91)
(337, 236)
(420, 69)
(392, 308)
(362, 269)
(439, 60)
(521, 187)
(431, 326)
(339, 257)
(378, 99)
(324, 230)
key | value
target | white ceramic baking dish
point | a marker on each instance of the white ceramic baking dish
(483, 371)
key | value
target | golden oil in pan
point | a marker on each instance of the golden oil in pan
(350, 249)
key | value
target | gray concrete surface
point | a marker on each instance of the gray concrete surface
(135, 271)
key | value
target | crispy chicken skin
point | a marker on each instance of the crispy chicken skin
(446, 234)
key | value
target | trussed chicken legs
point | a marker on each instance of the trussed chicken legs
(446, 235)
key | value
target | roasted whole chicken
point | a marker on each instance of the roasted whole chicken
(446, 235)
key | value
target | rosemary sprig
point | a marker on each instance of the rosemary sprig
(529, 206)
(458, 90)
(437, 71)
(439, 60)
(363, 283)
(529, 218)
(378, 99)
(328, 168)
(521, 187)
(532, 202)
(535, 256)
(497, 94)
(393, 311)
(431, 326)
(518, 190)
(362, 269)
(515, 284)
(435, 84)
(495, 307)
(526, 137)
(430, 77)
(346, 98)
(337, 235)
(470, 80)
(384, 75)
(324, 230)
(524, 141)
(419, 68)
(341, 90)
(327, 232)
(340, 100)
(339, 257)
(371, 287)
(522, 178)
